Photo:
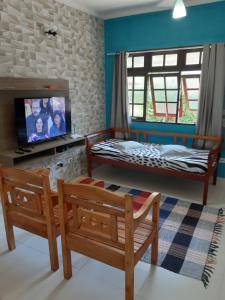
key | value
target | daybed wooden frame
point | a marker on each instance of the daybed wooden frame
(145, 136)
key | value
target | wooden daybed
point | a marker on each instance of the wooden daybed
(212, 158)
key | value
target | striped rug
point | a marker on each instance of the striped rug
(189, 235)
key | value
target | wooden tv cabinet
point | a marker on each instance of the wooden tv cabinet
(10, 158)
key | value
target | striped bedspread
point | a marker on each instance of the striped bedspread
(151, 155)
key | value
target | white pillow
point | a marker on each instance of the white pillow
(126, 145)
(175, 150)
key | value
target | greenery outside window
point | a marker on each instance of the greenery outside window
(163, 86)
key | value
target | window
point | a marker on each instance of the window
(163, 86)
(136, 90)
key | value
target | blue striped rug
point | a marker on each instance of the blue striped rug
(189, 235)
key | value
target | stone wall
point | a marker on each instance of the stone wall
(76, 53)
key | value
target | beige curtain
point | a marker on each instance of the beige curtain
(211, 101)
(120, 105)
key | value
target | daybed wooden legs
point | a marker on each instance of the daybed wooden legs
(215, 177)
(205, 192)
(206, 186)
(89, 162)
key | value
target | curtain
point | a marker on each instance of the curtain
(211, 100)
(120, 108)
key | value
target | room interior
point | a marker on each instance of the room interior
(69, 51)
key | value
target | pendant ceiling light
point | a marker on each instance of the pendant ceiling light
(179, 10)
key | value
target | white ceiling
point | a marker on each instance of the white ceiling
(107, 9)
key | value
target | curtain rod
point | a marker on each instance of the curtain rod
(112, 53)
(157, 50)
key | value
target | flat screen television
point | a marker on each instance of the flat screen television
(42, 118)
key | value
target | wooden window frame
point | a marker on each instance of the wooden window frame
(147, 70)
(186, 89)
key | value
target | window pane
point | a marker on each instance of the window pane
(139, 62)
(192, 58)
(160, 96)
(129, 62)
(193, 105)
(187, 111)
(138, 111)
(130, 110)
(158, 83)
(138, 96)
(130, 83)
(157, 60)
(172, 96)
(159, 114)
(193, 95)
(171, 82)
(172, 108)
(130, 93)
(171, 60)
(139, 82)
(192, 83)
(160, 108)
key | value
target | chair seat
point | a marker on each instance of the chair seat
(145, 230)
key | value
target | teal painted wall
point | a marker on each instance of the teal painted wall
(203, 24)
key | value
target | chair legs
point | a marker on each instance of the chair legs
(53, 250)
(129, 284)
(67, 264)
(8, 230)
(154, 252)
(10, 237)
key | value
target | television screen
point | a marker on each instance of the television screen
(40, 119)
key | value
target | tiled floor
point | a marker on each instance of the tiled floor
(25, 273)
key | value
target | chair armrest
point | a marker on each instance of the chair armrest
(152, 201)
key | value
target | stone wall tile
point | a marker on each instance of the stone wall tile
(76, 54)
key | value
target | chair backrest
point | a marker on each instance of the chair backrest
(24, 191)
(96, 212)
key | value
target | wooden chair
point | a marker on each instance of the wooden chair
(29, 203)
(104, 227)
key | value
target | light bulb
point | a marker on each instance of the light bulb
(179, 10)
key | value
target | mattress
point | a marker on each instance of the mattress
(151, 155)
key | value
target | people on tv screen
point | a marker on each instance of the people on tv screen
(31, 119)
(58, 126)
(39, 131)
(45, 118)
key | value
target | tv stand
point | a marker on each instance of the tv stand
(11, 158)
(63, 137)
